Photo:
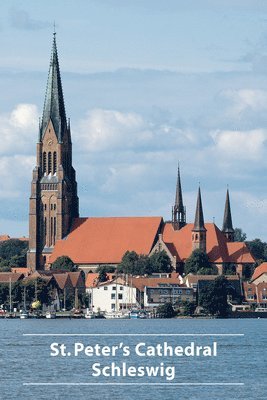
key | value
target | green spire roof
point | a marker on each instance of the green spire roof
(54, 108)
(227, 219)
(199, 218)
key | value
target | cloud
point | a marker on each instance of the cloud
(238, 145)
(246, 99)
(19, 129)
(15, 173)
(112, 130)
(20, 19)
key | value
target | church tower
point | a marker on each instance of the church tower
(178, 211)
(227, 228)
(199, 232)
(53, 202)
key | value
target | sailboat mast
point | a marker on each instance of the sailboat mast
(10, 298)
(24, 298)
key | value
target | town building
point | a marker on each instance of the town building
(55, 228)
(260, 274)
(113, 295)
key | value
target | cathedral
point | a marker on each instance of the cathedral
(55, 228)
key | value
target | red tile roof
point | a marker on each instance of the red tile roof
(7, 237)
(5, 277)
(4, 237)
(92, 279)
(193, 279)
(63, 280)
(77, 279)
(105, 240)
(21, 270)
(261, 269)
(218, 248)
(141, 282)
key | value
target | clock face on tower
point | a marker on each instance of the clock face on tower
(50, 142)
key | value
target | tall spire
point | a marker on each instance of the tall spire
(179, 213)
(199, 218)
(54, 108)
(227, 228)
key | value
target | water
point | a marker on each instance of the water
(27, 359)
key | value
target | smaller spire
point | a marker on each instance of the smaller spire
(179, 196)
(227, 228)
(199, 218)
(179, 212)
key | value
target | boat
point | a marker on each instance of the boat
(117, 315)
(24, 314)
(137, 314)
(89, 314)
(134, 314)
(50, 315)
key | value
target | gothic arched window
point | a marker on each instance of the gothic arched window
(44, 162)
(49, 162)
(54, 162)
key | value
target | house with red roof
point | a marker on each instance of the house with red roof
(260, 274)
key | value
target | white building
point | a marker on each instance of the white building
(112, 295)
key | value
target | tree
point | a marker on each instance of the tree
(198, 263)
(12, 254)
(38, 289)
(239, 235)
(109, 269)
(135, 264)
(160, 262)
(128, 262)
(257, 249)
(213, 297)
(102, 276)
(189, 308)
(166, 311)
(64, 263)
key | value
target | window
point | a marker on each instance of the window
(113, 306)
(180, 291)
(188, 291)
(120, 296)
(44, 162)
(113, 287)
(49, 167)
(105, 288)
(113, 296)
(121, 287)
(54, 162)
(55, 206)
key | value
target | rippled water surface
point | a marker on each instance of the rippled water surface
(237, 372)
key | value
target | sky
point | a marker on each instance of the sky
(147, 84)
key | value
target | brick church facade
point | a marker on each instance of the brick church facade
(53, 201)
(91, 242)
